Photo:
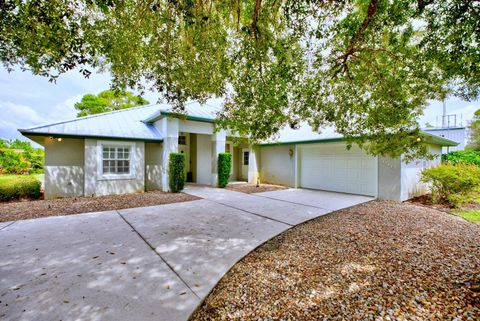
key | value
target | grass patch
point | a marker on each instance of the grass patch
(19, 186)
(472, 215)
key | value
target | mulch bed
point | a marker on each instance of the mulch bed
(376, 261)
(426, 200)
(27, 209)
(253, 188)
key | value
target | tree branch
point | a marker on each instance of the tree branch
(422, 4)
(372, 9)
(256, 14)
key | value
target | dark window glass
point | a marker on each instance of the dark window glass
(182, 140)
(245, 157)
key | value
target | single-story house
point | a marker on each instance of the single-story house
(126, 151)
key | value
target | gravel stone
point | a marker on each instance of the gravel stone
(21, 210)
(376, 261)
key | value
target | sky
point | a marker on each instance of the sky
(27, 100)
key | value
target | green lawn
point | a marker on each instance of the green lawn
(469, 214)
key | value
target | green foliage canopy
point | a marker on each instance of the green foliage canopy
(366, 67)
(19, 157)
(474, 131)
(106, 101)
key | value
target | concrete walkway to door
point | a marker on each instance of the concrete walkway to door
(150, 263)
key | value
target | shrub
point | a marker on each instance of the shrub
(15, 187)
(176, 172)
(224, 168)
(12, 162)
(463, 156)
(453, 183)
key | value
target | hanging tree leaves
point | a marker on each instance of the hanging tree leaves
(367, 67)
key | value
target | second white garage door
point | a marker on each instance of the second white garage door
(331, 167)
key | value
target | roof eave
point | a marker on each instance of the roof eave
(437, 140)
(28, 133)
(429, 138)
(300, 142)
(161, 114)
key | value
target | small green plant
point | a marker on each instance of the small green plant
(463, 156)
(224, 168)
(452, 183)
(176, 172)
(15, 187)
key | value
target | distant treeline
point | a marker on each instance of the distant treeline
(19, 157)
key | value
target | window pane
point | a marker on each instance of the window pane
(116, 160)
(245, 158)
(106, 167)
(182, 140)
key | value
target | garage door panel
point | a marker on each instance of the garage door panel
(334, 168)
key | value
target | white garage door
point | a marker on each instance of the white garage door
(331, 167)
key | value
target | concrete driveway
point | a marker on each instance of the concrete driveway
(151, 263)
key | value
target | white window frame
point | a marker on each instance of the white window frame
(116, 144)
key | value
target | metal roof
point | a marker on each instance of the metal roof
(429, 138)
(137, 124)
(193, 111)
(121, 124)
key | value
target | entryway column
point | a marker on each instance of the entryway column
(253, 164)
(169, 129)
(218, 146)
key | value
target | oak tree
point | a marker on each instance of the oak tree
(366, 67)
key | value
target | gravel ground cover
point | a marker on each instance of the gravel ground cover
(253, 188)
(21, 210)
(376, 261)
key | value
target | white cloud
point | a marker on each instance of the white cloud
(64, 110)
(18, 116)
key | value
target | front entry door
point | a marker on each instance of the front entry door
(244, 159)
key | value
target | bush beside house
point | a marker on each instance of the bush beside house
(224, 168)
(455, 184)
(469, 156)
(19, 186)
(176, 172)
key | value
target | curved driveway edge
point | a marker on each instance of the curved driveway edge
(151, 263)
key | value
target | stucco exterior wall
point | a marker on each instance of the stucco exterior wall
(234, 171)
(410, 176)
(196, 127)
(64, 161)
(277, 166)
(153, 166)
(96, 185)
(204, 159)
(389, 178)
